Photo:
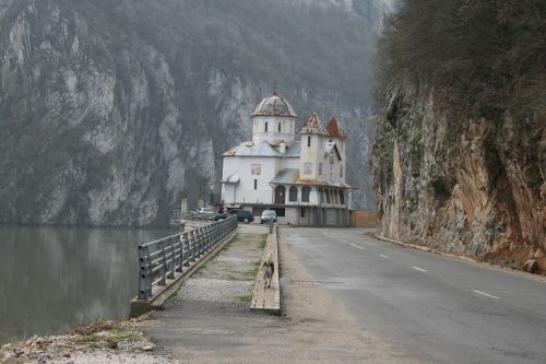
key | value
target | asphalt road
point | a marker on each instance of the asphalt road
(439, 309)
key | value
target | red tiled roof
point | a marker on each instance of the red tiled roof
(334, 130)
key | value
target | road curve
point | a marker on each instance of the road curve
(440, 309)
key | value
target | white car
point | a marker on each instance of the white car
(205, 211)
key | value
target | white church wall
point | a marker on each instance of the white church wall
(293, 163)
(310, 156)
(230, 166)
(291, 216)
(261, 169)
(287, 129)
(228, 194)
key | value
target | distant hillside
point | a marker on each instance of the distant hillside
(112, 110)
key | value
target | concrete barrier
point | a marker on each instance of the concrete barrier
(268, 299)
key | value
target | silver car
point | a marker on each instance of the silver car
(267, 216)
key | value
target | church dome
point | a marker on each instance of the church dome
(275, 106)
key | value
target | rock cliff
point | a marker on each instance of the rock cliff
(476, 188)
(111, 111)
(460, 154)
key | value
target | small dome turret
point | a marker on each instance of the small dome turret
(275, 106)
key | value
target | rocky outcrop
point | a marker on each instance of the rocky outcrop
(468, 186)
(111, 111)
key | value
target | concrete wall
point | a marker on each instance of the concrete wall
(364, 219)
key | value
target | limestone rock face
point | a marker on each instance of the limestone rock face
(111, 111)
(466, 186)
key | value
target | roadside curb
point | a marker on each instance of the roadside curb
(139, 307)
(427, 249)
(268, 299)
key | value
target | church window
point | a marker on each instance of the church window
(308, 168)
(279, 127)
(305, 193)
(308, 140)
(293, 195)
(342, 197)
(327, 196)
(256, 169)
(255, 184)
(266, 126)
(280, 193)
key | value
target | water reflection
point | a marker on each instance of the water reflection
(54, 279)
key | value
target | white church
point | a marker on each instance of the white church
(298, 173)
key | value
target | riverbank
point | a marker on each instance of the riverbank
(102, 342)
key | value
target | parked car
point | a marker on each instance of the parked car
(205, 211)
(220, 216)
(268, 215)
(244, 216)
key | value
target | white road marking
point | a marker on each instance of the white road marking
(419, 269)
(384, 256)
(485, 294)
(356, 246)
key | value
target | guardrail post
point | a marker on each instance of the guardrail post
(211, 237)
(199, 235)
(214, 234)
(172, 265)
(143, 280)
(186, 254)
(203, 240)
(180, 256)
(163, 281)
(192, 245)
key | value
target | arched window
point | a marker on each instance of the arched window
(280, 193)
(342, 197)
(305, 193)
(279, 127)
(266, 127)
(293, 195)
(309, 140)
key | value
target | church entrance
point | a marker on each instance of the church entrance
(280, 195)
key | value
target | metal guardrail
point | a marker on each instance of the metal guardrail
(160, 259)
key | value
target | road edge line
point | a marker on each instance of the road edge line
(426, 249)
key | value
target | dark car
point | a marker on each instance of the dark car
(220, 216)
(244, 216)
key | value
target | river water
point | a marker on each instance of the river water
(53, 279)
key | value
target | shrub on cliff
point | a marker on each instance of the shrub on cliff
(486, 56)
